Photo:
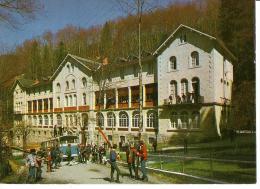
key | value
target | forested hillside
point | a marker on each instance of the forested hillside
(231, 21)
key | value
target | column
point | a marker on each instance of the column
(179, 89)
(129, 97)
(144, 95)
(105, 100)
(130, 121)
(93, 100)
(32, 106)
(37, 106)
(42, 105)
(49, 104)
(116, 93)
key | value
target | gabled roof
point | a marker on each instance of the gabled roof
(86, 63)
(218, 43)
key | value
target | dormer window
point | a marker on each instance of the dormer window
(183, 38)
(194, 59)
(173, 63)
(68, 68)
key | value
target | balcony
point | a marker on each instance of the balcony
(189, 99)
(150, 103)
(122, 105)
(58, 109)
(83, 108)
(70, 109)
(99, 107)
(135, 105)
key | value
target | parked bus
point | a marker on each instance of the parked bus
(63, 142)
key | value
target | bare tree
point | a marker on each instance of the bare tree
(13, 10)
(22, 130)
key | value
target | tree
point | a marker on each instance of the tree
(22, 130)
(11, 11)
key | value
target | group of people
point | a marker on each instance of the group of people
(134, 153)
(91, 152)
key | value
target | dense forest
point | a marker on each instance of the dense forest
(231, 21)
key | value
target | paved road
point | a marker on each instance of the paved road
(88, 174)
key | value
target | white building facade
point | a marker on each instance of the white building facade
(187, 83)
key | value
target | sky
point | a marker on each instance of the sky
(56, 14)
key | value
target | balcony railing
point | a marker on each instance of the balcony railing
(83, 108)
(123, 105)
(184, 100)
(74, 108)
(135, 104)
(149, 103)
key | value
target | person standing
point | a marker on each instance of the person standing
(130, 158)
(60, 130)
(113, 158)
(143, 155)
(154, 146)
(49, 160)
(55, 131)
(32, 164)
(68, 153)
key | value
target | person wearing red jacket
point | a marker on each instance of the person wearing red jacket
(143, 155)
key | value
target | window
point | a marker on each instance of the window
(29, 120)
(111, 119)
(58, 87)
(183, 38)
(100, 120)
(184, 120)
(84, 82)
(195, 121)
(123, 119)
(67, 120)
(122, 73)
(85, 120)
(135, 71)
(194, 59)
(196, 89)
(51, 120)
(71, 120)
(173, 88)
(73, 84)
(67, 85)
(136, 117)
(173, 63)
(151, 120)
(174, 120)
(84, 99)
(46, 120)
(59, 120)
(58, 102)
(184, 86)
(40, 120)
(66, 101)
(70, 100)
(75, 100)
(68, 68)
(34, 120)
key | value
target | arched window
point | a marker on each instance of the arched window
(135, 119)
(85, 120)
(84, 99)
(73, 84)
(196, 89)
(67, 85)
(99, 120)
(75, 100)
(174, 120)
(46, 120)
(184, 120)
(34, 120)
(84, 82)
(194, 59)
(173, 63)
(51, 120)
(40, 120)
(58, 89)
(195, 121)
(111, 119)
(67, 120)
(71, 120)
(59, 120)
(58, 102)
(151, 119)
(173, 88)
(70, 100)
(66, 101)
(29, 120)
(184, 87)
(123, 119)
